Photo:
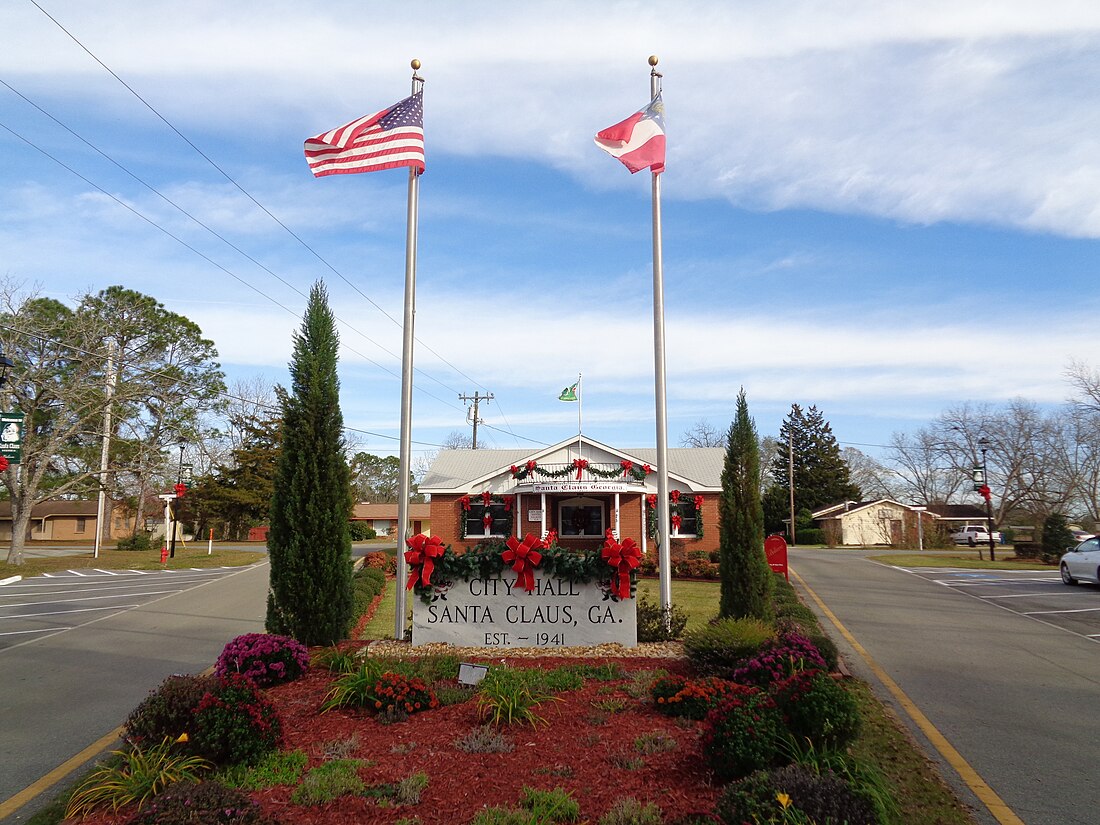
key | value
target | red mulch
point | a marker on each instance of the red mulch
(575, 751)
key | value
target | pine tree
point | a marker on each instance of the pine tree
(743, 568)
(309, 542)
(821, 475)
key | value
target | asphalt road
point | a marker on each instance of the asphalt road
(79, 651)
(1006, 665)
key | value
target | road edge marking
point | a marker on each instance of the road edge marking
(14, 803)
(988, 797)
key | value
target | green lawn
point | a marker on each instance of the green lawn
(133, 560)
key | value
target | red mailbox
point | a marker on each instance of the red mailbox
(775, 548)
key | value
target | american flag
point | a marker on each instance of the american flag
(385, 140)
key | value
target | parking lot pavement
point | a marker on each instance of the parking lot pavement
(54, 603)
(1036, 594)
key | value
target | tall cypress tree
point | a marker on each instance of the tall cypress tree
(309, 542)
(742, 566)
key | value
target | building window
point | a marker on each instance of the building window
(581, 517)
(81, 524)
(499, 524)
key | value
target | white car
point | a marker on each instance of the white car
(1082, 563)
(974, 535)
(1080, 535)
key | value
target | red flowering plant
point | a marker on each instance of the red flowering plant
(397, 695)
(265, 658)
(235, 723)
(817, 708)
(741, 734)
(694, 698)
(778, 659)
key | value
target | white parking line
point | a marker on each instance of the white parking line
(106, 572)
(1043, 612)
(91, 598)
(1027, 595)
(78, 610)
(43, 630)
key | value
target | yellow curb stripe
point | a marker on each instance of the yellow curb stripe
(1001, 812)
(13, 804)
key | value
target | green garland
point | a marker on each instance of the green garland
(484, 561)
(626, 468)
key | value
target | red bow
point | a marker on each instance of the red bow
(624, 558)
(465, 502)
(531, 465)
(627, 466)
(514, 470)
(524, 558)
(580, 464)
(647, 469)
(676, 522)
(551, 537)
(508, 501)
(651, 501)
(985, 492)
(675, 495)
(698, 503)
(486, 498)
(487, 519)
(422, 555)
(3, 463)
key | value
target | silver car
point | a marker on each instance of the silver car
(1082, 563)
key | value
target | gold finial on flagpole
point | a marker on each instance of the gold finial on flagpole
(653, 60)
(416, 64)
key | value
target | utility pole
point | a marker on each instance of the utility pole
(102, 515)
(790, 477)
(476, 397)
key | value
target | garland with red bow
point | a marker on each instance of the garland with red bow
(626, 469)
(524, 557)
(680, 508)
(421, 557)
(624, 557)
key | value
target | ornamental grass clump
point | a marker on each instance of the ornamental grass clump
(235, 723)
(817, 708)
(265, 658)
(778, 659)
(508, 696)
(742, 734)
(693, 698)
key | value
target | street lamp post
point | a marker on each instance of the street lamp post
(983, 445)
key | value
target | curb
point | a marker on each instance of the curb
(10, 580)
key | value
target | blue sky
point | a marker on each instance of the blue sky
(881, 208)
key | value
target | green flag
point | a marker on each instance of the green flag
(569, 394)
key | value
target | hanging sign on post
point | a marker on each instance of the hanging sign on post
(11, 436)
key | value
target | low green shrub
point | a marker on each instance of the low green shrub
(328, 781)
(811, 535)
(797, 611)
(138, 541)
(741, 734)
(361, 531)
(557, 805)
(817, 708)
(277, 768)
(865, 778)
(718, 647)
(651, 621)
(132, 777)
(168, 711)
(823, 798)
(209, 803)
(265, 658)
(235, 723)
(827, 648)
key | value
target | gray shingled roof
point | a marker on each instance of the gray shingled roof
(455, 470)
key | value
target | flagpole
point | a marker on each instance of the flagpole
(664, 564)
(580, 402)
(405, 459)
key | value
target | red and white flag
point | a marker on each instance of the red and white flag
(639, 141)
(385, 140)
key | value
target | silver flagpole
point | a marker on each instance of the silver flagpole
(405, 459)
(664, 541)
(580, 402)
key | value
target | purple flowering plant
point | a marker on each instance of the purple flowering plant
(265, 658)
(778, 659)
